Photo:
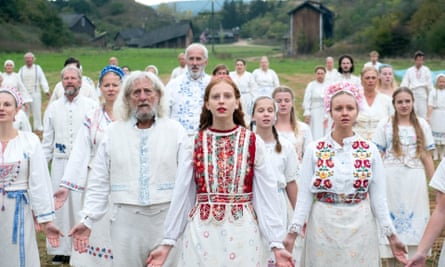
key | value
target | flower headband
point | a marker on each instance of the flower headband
(338, 87)
(15, 93)
(111, 68)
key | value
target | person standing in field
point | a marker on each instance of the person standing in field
(12, 80)
(418, 79)
(34, 80)
(134, 173)
(314, 113)
(332, 74)
(185, 92)
(225, 198)
(405, 143)
(25, 186)
(373, 60)
(265, 78)
(387, 84)
(247, 85)
(181, 69)
(436, 114)
(62, 121)
(346, 70)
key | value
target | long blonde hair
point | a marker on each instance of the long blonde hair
(420, 137)
(293, 119)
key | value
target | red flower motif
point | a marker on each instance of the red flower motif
(317, 182)
(320, 145)
(329, 200)
(329, 163)
(357, 184)
(319, 162)
(367, 163)
(358, 163)
(364, 144)
(355, 145)
(327, 183)
(365, 183)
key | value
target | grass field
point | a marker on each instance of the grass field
(294, 72)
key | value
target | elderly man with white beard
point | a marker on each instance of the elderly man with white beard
(61, 123)
(186, 92)
(134, 168)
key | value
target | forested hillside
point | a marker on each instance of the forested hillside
(394, 27)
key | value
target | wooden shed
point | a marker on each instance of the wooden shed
(310, 23)
(179, 35)
(79, 23)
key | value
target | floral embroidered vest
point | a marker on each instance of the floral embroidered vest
(223, 169)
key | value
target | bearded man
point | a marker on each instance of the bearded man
(134, 168)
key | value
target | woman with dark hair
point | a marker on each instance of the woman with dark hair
(225, 197)
(247, 86)
(405, 142)
(220, 71)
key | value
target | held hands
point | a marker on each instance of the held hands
(81, 236)
(418, 260)
(283, 258)
(60, 197)
(53, 234)
(398, 249)
(157, 257)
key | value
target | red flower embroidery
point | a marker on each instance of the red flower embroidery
(357, 184)
(327, 183)
(317, 182)
(367, 163)
(320, 145)
(329, 163)
(357, 164)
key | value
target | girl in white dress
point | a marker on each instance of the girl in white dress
(247, 86)
(225, 197)
(436, 114)
(281, 155)
(405, 142)
(387, 84)
(297, 132)
(342, 193)
(26, 191)
(100, 252)
(314, 113)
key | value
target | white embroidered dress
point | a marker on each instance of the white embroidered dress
(407, 190)
(25, 187)
(436, 100)
(340, 195)
(370, 115)
(248, 88)
(75, 177)
(225, 201)
(314, 107)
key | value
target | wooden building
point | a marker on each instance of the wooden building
(79, 23)
(310, 23)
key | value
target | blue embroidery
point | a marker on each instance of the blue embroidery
(60, 147)
(402, 221)
(144, 170)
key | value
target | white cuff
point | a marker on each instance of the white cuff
(87, 222)
(278, 245)
(168, 242)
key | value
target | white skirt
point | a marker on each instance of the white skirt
(341, 235)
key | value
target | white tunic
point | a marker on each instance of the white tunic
(421, 83)
(12, 80)
(370, 115)
(33, 78)
(27, 183)
(436, 100)
(185, 99)
(137, 171)
(21, 122)
(301, 140)
(62, 121)
(178, 71)
(331, 76)
(407, 191)
(248, 89)
(100, 252)
(87, 89)
(342, 233)
(266, 81)
(314, 107)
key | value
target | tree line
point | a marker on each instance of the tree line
(393, 27)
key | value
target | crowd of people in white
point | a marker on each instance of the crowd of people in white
(218, 170)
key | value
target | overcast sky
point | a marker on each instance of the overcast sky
(156, 2)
